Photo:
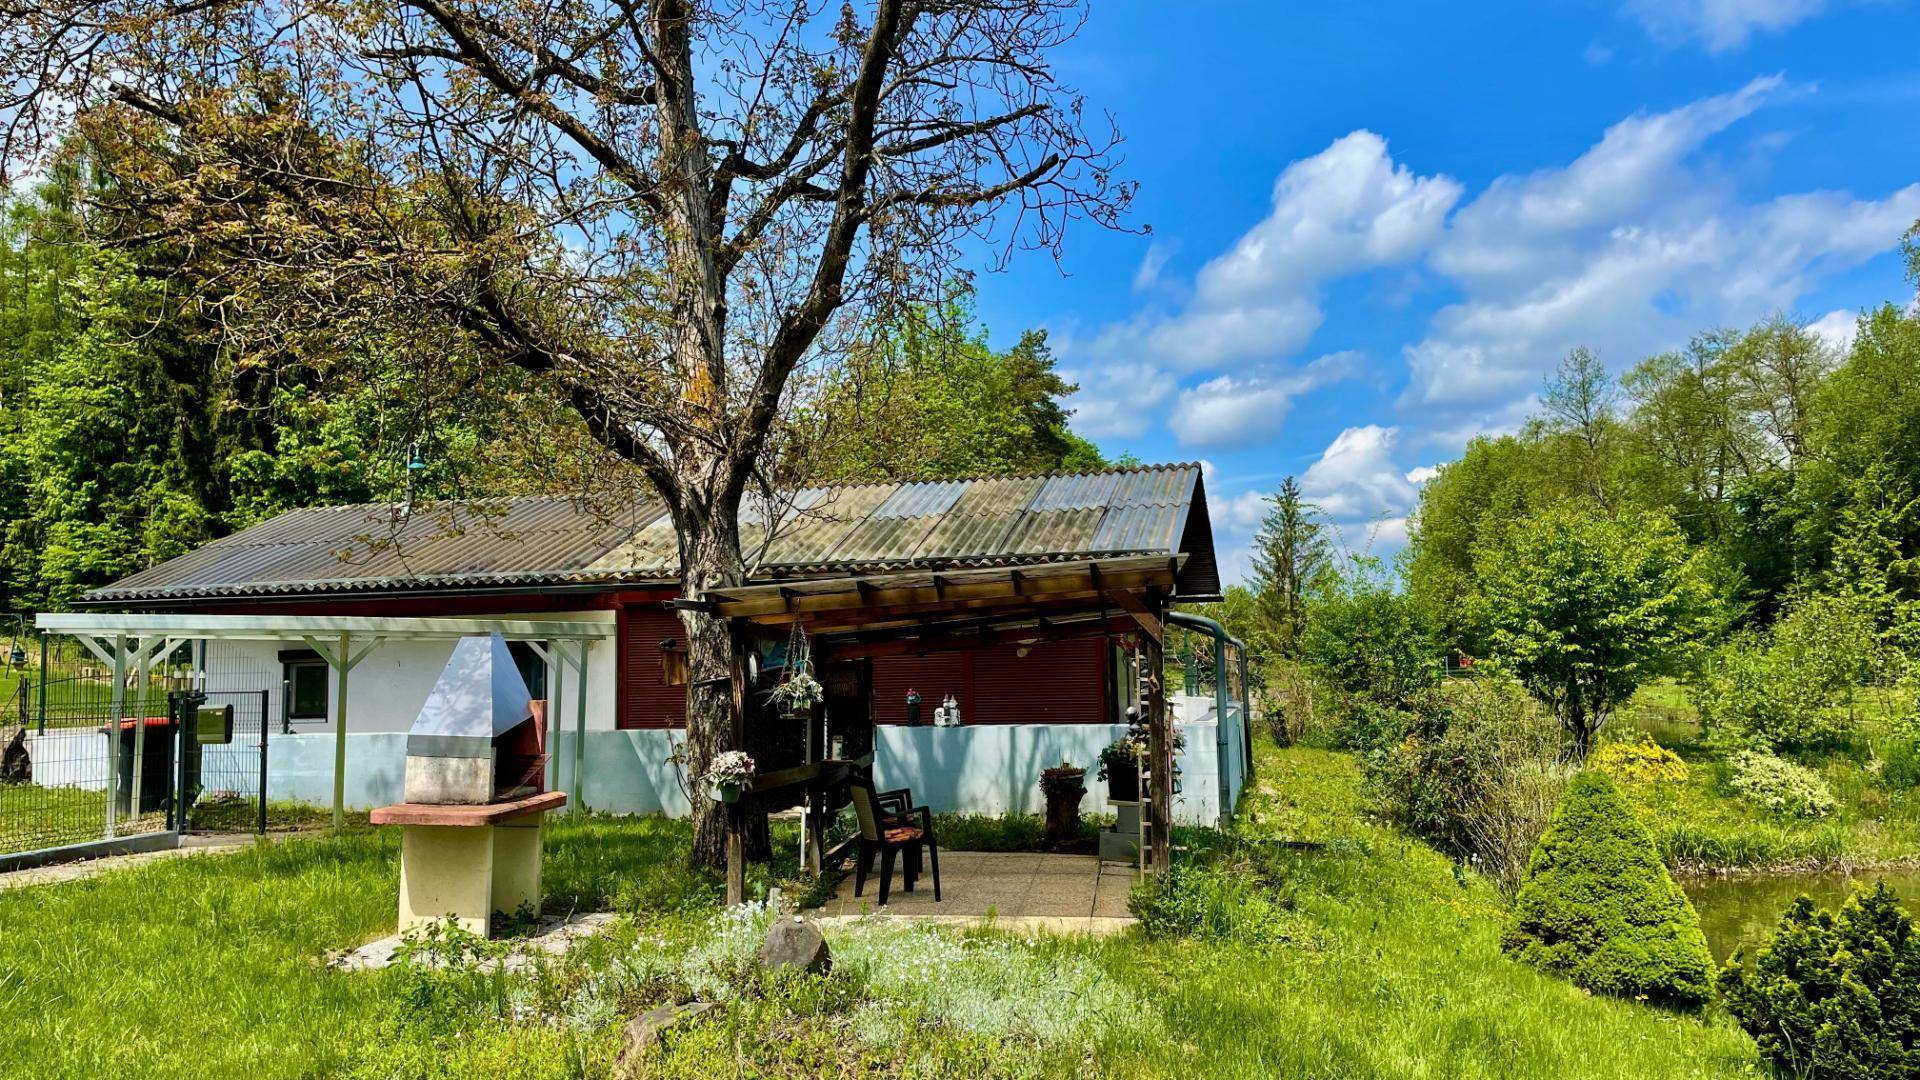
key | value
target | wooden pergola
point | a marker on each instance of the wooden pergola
(922, 611)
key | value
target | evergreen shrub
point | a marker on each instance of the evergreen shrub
(1834, 995)
(1599, 907)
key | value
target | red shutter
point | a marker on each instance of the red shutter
(935, 675)
(646, 701)
(1057, 682)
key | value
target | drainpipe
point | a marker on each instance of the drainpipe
(1220, 638)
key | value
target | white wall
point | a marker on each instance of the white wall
(984, 768)
(386, 690)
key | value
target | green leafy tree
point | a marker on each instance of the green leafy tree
(1370, 639)
(1599, 907)
(1583, 608)
(1834, 995)
(1290, 555)
(929, 397)
(1493, 481)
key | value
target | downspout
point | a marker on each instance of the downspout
(1220, 638)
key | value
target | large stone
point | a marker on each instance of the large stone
(649, 1029)
(795, 943)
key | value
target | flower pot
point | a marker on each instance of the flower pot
(1123, 781)
(727, 793)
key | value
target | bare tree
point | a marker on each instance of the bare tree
(1579, 398)
(664, 208)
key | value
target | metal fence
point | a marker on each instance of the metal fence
(180, 755)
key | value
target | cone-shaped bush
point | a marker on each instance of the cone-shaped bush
(1599, 907)
(1834, 995)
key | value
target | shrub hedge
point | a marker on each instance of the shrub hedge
(1599, 907)
(1834, 995)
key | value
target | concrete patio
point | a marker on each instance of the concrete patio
(1062, 894)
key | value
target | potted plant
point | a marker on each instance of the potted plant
(1120, 767)
(1121, 759)
(729, 775)
(799, 693)
(1064, 785)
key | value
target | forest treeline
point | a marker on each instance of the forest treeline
(129, 434)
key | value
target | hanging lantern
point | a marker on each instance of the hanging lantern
(673, 662)
(416, 461)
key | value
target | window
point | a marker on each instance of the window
(306, 688)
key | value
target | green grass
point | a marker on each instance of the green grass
(1393, 967)
(1703, 826)
(33, 817)
(1387, 964)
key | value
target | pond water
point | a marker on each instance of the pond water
(1746, 910)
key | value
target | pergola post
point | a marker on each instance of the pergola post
(1160, 756)
(342, 659)
(340, 732)
(577, 798)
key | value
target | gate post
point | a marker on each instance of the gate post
(263, 762)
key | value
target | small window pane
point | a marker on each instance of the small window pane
(308, 691)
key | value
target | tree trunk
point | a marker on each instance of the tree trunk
(710, 558)
(1576, 723)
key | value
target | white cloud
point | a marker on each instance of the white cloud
(1236, 410)
(1420, 474)
(1719, 25)
(1355, 478)
(1154, 261)
(1837, 329)
(1241, 514)
(1628, 249)
(1345, 209)
(1116, 400)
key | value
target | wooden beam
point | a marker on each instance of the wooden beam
(839, 594)
(842, 621)
(973, 638)
(1141, 613)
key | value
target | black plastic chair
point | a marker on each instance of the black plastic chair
(891, 824)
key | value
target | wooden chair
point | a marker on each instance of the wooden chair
(890, 824)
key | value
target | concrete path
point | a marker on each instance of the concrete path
(1019, 891)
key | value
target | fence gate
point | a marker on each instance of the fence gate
(179, 758)
(223, 760)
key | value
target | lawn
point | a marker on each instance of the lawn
(1702, 826)
(1363, 953)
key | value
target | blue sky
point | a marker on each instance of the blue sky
(1375, 227)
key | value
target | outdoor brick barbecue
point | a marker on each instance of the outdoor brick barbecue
(475, 793)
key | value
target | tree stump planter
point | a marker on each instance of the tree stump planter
(1064, 787)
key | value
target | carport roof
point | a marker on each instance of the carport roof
(825, 531)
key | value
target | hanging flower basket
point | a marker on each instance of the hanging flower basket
(729, 776)
(799, 693)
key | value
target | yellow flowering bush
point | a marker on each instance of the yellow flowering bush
(1642, 761)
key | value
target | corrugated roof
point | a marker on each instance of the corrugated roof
(985, 521)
